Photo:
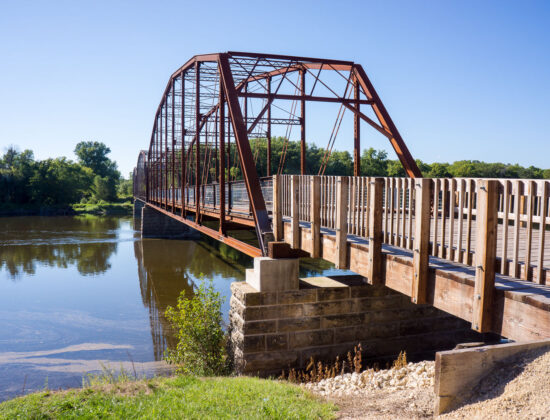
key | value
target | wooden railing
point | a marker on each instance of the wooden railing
(522, 215)
(493, 225)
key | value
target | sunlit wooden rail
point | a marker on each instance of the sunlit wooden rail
(522, 215)
(457, 243)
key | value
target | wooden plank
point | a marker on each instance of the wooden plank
(518, 193)
(421, 257)
(315, 210)
(453, 382)
(398, 190)
(386, 208)
(461, 192)
(505, 218)
(531, 192)
(471, 196)
(436, 216)
(392, 209)
(486, 248)
(410, 208)
(444, 208)
(278, 207)
(452, 192)
(342, 192)
(294, 209)
(542, 231)
(374, 274)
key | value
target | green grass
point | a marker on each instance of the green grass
(173, 398)
(103, 208)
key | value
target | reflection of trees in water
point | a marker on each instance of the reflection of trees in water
(166, 267)
(86, 243)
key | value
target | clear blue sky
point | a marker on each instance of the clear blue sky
(461, 79)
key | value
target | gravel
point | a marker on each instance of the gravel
(518, 389)
(412, 376)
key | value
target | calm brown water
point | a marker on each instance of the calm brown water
(80, 294)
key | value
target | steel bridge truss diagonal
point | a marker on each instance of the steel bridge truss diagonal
(200, 159)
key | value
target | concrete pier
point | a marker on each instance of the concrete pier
(326, 317)
(272, 275)
(138, 205)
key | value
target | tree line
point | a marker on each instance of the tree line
(94, 176)
(61, 181)
(374, 163)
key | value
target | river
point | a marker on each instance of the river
(86, 294)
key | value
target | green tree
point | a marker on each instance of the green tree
(439, 170)
(374, 162)
(104, 188)
(125, 186)
(59, 181)
(16, 168)
(93, 155)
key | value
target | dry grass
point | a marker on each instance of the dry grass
(316, 371)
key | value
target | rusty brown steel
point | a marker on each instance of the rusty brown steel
(216, 84)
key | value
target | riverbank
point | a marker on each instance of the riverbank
(118, 208)
(174, 397)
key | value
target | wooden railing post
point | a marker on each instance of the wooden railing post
(294, 211)
(419, 293)
(375, 231)
(342, 194)
(542, 229)
(315, 211)
(485, 253)
(278, 208)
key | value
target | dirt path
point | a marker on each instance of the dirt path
(518, 389)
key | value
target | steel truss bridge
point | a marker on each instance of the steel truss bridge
(476, 248)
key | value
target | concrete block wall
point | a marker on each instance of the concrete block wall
(327, 317)
(155, 224)
(138, 206)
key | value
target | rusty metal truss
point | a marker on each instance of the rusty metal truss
(215, 103)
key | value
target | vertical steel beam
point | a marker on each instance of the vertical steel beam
(268, 126)
(183, 172)
(173, 145)
(197, 142)
(161, 183)
(252, 182)
(222, 161)
(229, 164)
(356, 131)
(303, 122)
(245, 108)
(165, 168)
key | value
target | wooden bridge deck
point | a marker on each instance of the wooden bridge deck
(500, 287)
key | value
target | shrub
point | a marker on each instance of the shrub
(201, 347)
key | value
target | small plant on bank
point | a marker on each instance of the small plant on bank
(197, 320)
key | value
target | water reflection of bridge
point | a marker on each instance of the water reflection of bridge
(165, 268)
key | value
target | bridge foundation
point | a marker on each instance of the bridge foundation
(326, 317)
(155, 224)
(272, 275)
(138, 205)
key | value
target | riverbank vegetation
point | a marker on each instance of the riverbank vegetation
(93, 184)
(176, 397)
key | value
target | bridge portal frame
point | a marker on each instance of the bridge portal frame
(226, 66)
